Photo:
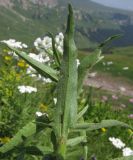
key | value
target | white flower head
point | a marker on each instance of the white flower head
(39, 114)
(59, 38)
(36, 57)
(125, 68)
(45, 43)
(59, 42)
(55, 100)
(14, 44)
(78, 62)
(37, 42)
(117, 142)
(127, 151)
(26, 89)
(109, 63)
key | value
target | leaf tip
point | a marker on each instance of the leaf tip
(70, 9)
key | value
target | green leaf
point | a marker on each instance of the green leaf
(42, 69)
(55, 52)
(85, 146)
(124, 158)
(82, 112)
(66, 108)
(103, 124)
(21, 156)
(42, 122)
(33, 150)
(109, 40)
(54, 140)
(38, 150)
(74, 141)
(69, 70)
(26, 131)
(86, 64)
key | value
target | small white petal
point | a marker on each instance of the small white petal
(55, 100)
(125, 68)
(127, 151)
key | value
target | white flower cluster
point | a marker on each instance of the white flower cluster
(78, 62)
(39, 114)
(32, 72)
(59, 39)
(39, 57)
(125, 68)
(126, 151)
(107, 63)
(117, 142)
(26, 89)
(14, 44)
(55, 100)
(46, 43)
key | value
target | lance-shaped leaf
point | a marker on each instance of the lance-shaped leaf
(69, 70)
(74, 141)
(82, 112)
(55, 52)
(109, 40)
(38, 150)
(67, 85)
(103, 124)
(124, 158)
(42, 69)
(86, 64)
(25, 132)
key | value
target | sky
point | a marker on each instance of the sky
(123, 4)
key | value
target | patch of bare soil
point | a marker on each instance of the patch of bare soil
(113, 84)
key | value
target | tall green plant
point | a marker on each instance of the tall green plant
(67, 120)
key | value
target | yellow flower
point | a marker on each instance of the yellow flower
(8, 58)
(5, 139)
(22, 64)
(43, 108)
(103, 129)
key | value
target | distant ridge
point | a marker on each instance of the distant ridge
(26, 20)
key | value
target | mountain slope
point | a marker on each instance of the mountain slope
(25, 20)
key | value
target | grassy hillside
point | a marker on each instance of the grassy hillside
(121, 58)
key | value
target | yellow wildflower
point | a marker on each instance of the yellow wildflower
(8, 58)
(103, 129)
(22, 64)
(5, 139)
(43, 108)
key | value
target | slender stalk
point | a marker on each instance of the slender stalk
(62, 148)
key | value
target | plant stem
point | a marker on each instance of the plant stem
(62, 148)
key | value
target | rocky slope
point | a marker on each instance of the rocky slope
(28, 19)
